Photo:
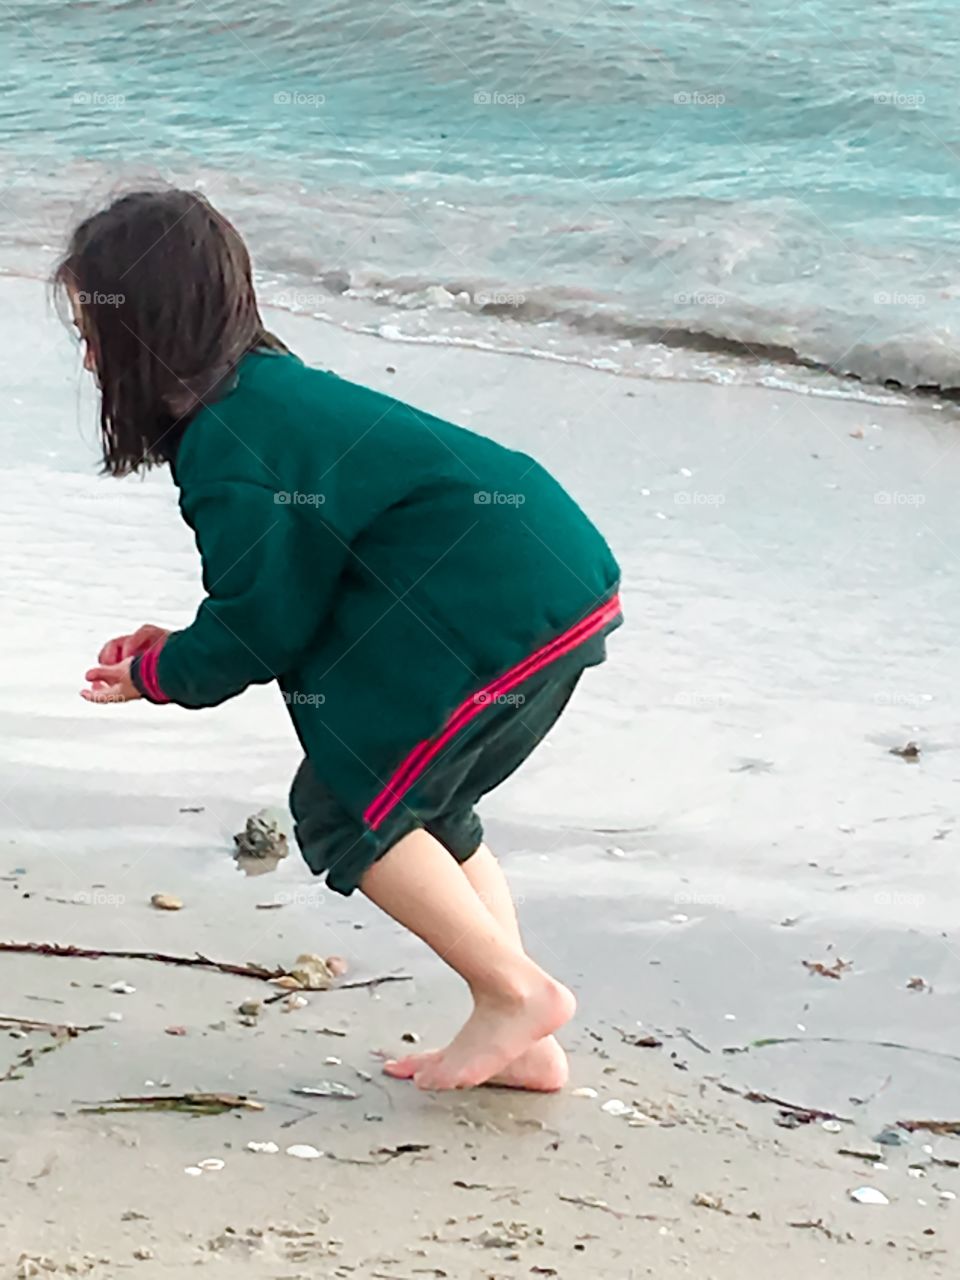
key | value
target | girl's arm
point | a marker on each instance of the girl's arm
(270, 570)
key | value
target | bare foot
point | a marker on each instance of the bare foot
(502, 1028)
(543, 1068)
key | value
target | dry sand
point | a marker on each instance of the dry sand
(719, 806)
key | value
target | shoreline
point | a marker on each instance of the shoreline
(787, 628)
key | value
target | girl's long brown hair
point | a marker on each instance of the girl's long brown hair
(163, 288)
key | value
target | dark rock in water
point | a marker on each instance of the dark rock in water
(261, 838)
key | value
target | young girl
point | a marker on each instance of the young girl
(426, 599)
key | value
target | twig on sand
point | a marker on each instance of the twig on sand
(345, 986)
(805, 1114)
(942, 1127)
(93, 953)
(769, 1041)
(591, 1202)
(34, 1024)
(202, 1104)
(198, 961)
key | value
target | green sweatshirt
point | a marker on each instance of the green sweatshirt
(387, 568)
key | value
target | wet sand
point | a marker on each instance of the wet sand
(719, 805)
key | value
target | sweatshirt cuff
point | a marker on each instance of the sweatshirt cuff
(143, 673)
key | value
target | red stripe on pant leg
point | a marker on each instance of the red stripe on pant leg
(608, 610)
(416, 763)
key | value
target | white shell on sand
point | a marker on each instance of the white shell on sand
(585, 1092)
(193, 1171)
(868, 1195)
(616, 1108)
(263, 1148)
(832, 1126)
(212, 1166)
(302, 1152)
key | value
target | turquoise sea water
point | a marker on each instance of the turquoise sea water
(649, 185)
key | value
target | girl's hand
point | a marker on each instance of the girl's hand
(131, 646)
(111, 683)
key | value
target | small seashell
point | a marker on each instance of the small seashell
(263, 1148)
(301, 1151)
(915, 1172)
(679, 918)
(211, 1166)
(114, 1017)
(333, 1062)
(584, 1092)
(832, 1126)
(122, 989)
(295, 1002)
(615, 1107)
(288, 983)
(948, 1195)
(165, 902)
(193, 1171)
(868, 1195)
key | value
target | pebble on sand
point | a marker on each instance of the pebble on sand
(868, 1195)
(165, 902)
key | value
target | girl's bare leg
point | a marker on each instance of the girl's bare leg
(516, 1004)
(544, 1066)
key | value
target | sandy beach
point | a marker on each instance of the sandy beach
(721, 809)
